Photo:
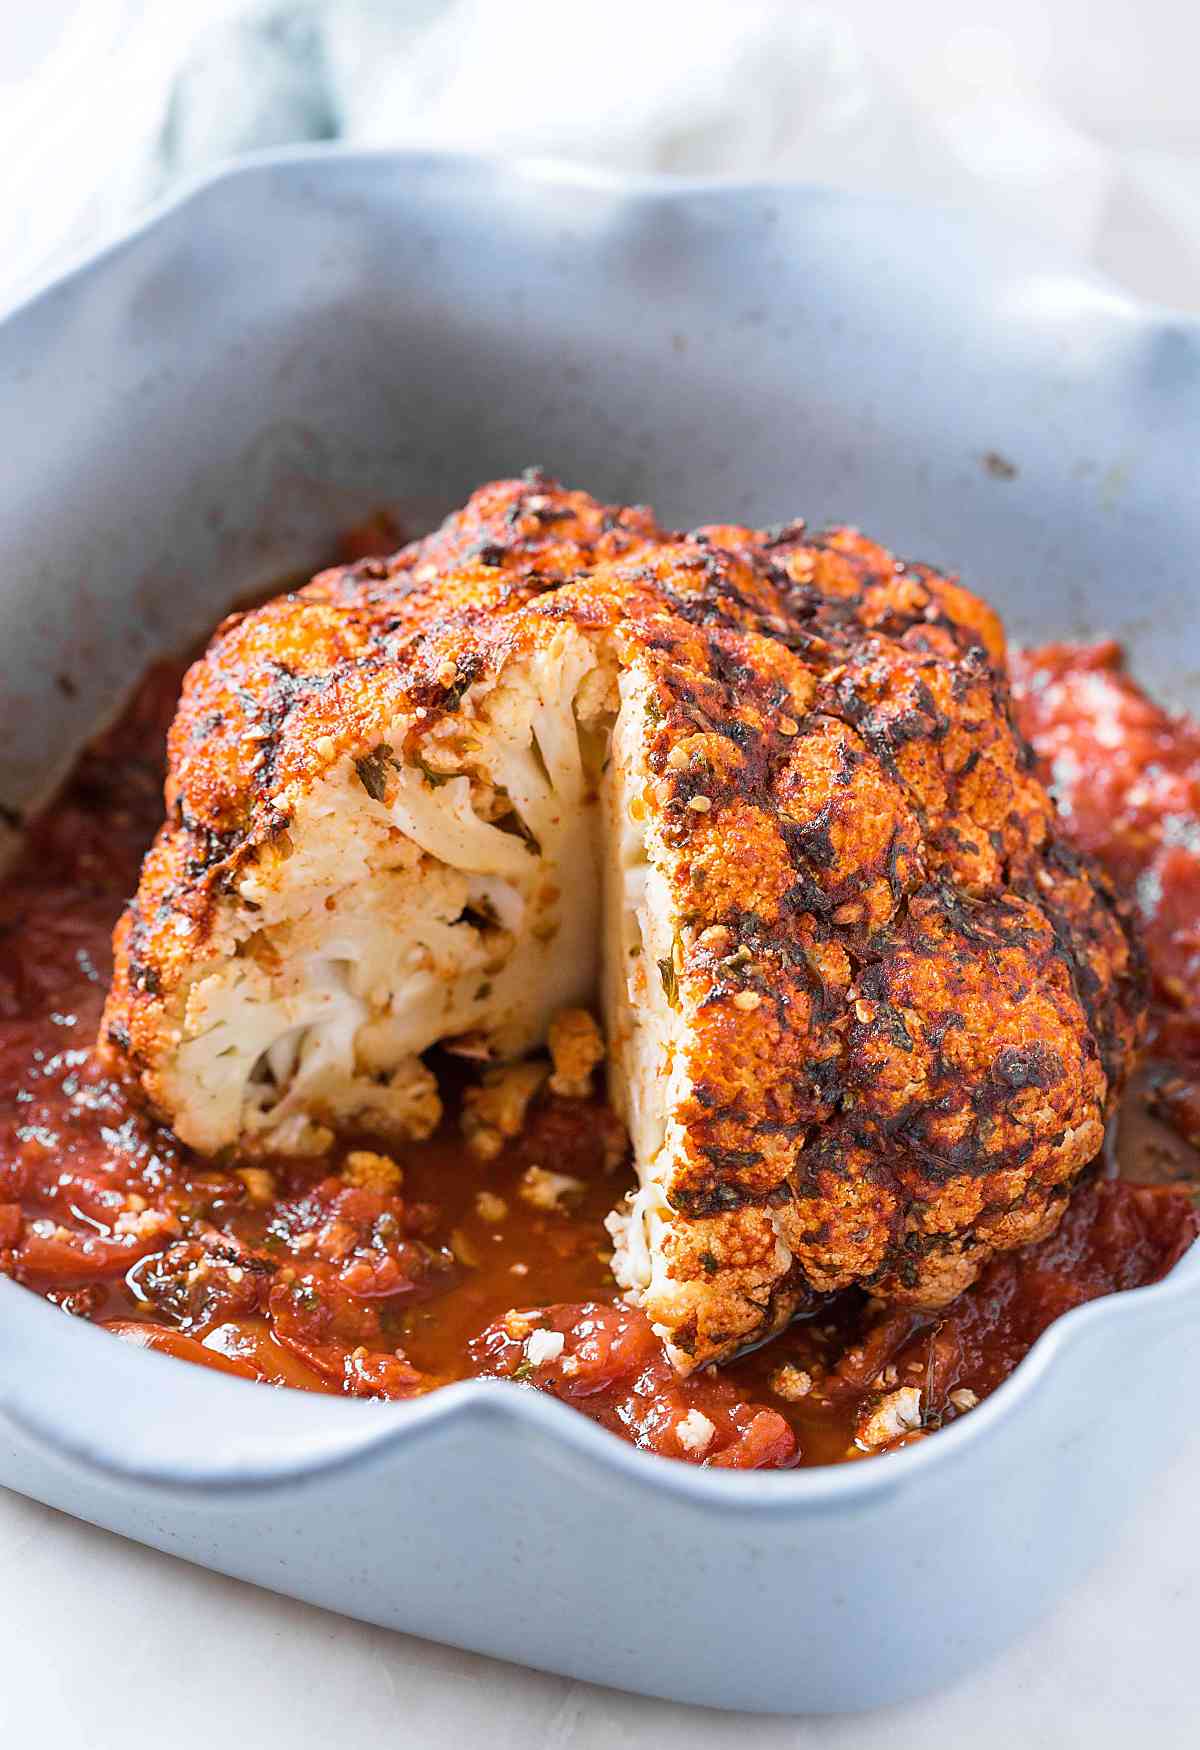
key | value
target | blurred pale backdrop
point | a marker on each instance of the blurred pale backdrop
(1077, 119)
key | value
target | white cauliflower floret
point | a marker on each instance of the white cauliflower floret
(493, 1113)
(695, 1432)
(896, 1414)
(543, 1346)
(548, 1191)
(791, 1382)
(576, 1047)
(646, 1028)
(369, 1171)
(393, 920)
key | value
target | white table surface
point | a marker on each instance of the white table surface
(105, 1644)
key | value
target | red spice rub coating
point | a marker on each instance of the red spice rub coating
(909, 1004)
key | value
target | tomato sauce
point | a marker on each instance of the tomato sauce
(1126, 776)
(384, 1275)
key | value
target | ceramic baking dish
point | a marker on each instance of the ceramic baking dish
(194, 412)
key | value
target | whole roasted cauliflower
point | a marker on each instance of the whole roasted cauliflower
(759, 792)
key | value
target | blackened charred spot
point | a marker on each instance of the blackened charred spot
(873, 983)
(805, 896)
(286, 689)
(1062, 855)
(898, 848)
(743, 735)
(731, 669)
(208, 845)
(1031, 1066)
(887, 734)
(376, 569)
(694, 797)
(963, 1159)
(1026, 755)
(825, 998)
(489, 553)
(807, 644)
(374, 770)
(718, 1194)
(663, 638)
(936, 1032)
(852, 706)
(784, 534)
(810, 842)
(826, 1078)
(446, 696)
(962, 843)
(206, 726)
(974, 923)
(850, 758)
(888, 1022)
(537, 503)
(1085, 984)
(144, 977)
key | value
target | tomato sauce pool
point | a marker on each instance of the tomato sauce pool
(384, 1275)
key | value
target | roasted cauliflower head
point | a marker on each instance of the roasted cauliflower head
(757, 794)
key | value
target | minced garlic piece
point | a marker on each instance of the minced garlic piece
(489, 1207)
(543, 1346)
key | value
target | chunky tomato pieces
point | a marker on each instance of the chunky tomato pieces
(605, 1359)
(1126, 775)
(1114, 1236)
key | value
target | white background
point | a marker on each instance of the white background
(105, 1644)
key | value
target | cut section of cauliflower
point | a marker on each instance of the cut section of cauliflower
(865, 1012)
(436, 886)
(725, 1269)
